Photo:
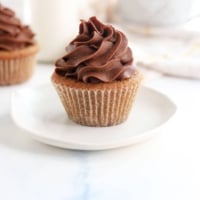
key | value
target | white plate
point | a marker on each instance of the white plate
(38, 110)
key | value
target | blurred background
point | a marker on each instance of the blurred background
(164, 34)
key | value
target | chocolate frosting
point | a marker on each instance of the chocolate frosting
(99, 53)
(13, 35)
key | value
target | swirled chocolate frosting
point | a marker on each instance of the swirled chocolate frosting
(99, 53)
(13, 35)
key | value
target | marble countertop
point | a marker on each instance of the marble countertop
(164, 167)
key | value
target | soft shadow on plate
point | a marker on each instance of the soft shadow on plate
(38, 110)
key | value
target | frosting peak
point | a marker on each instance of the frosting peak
(13, 35)
(99, 53)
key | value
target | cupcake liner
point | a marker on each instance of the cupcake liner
(98, 106)
(18, 66)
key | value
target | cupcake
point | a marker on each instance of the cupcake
(96, 80)
(17, 49)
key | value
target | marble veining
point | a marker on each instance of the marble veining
(81, 179)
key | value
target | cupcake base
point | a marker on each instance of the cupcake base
(102, 104)
(17, 66)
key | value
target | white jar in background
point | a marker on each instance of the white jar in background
(20, 7)
(55, 23)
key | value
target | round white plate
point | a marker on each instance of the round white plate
(39, 111)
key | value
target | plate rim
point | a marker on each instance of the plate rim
(36, 135)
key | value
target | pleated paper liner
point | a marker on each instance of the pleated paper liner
(17, 66)
(103, 104)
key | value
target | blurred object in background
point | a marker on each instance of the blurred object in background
(89, 8)
(111, 11)
(105, 10)
(176, 55)
(165, 34)
(156, 12)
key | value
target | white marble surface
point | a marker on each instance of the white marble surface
(165, 167)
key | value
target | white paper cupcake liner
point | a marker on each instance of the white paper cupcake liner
(98, 107)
